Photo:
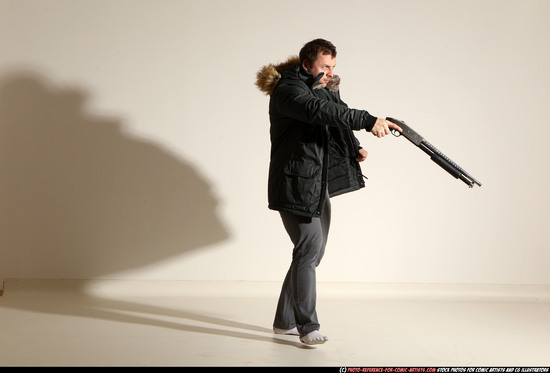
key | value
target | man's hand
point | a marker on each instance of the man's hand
(362, 155)
(382, 127)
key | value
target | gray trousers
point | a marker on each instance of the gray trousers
(297, 301)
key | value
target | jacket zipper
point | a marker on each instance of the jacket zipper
(324, 185)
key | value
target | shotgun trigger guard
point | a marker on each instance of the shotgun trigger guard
(395, 132)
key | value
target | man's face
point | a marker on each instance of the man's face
(324, 63)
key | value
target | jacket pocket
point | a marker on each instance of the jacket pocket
(303, 183)
(301, 168)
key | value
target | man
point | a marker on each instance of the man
(314, 156)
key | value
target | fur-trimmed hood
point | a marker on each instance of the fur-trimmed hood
(269, 75)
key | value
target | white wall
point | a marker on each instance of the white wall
(134, 144)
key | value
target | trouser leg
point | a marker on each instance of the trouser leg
(297, 301)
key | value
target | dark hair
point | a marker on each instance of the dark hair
(311, 50)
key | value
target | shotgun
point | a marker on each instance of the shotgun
(436, 155)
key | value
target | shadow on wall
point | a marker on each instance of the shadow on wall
(79, 198)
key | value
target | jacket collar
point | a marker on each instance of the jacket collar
(268, 76)
(308, 78)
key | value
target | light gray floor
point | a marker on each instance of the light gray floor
(163, 323)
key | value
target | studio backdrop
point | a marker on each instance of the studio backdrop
(134, 143)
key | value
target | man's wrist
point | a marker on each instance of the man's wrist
(369, 122)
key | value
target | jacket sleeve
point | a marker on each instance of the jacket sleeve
(297, 102)
(355, 141)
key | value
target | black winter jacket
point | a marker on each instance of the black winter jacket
(313, 147)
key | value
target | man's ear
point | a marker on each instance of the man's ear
(304, 65)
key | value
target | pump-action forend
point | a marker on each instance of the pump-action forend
(436, 155)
